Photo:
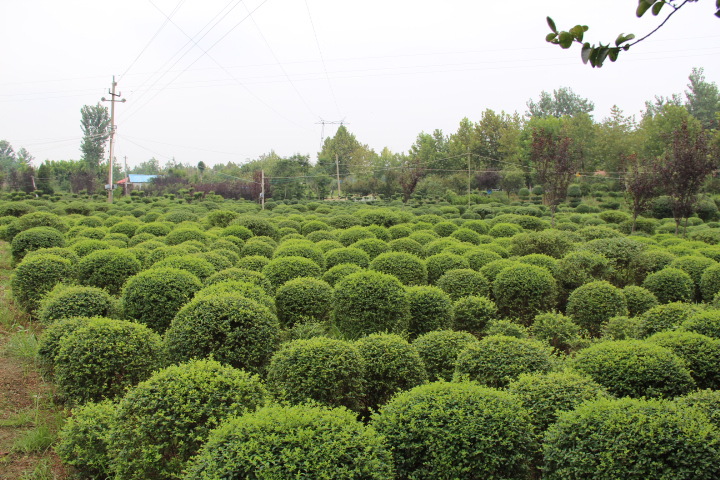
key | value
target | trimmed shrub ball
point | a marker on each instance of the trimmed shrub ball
(283, 442)
(243, 289)
(372, 246)
(635, 368)
(701, 353)
(670, 285)
(338, 272)
(391, 365)
(108, 269)
(49, 343)
(406, 267)
(523, 291)
(154, 296)
(594, 303)
(368, 302)
(238, 274)
(478, 257)
(199, 267)
(104, 357)
(65, 301)
(710, 282)
(464, 282)
(34, 239)
(230, 328)
(554, 243)
(665, 317)
(162, 422)
(706, 323)
(36, 276)
(439, 350)
(639, 300)
(407, 245)
(706, 400)
(259, 227)
(302, 300)
(318, 369)
(557, 330)
(497, 360)
(695, 266)
(457, 430)
(301, 248)
(632, 439)
(284, 269)
(339, 256)
(472, 314)
(439, 264)
(430, 309)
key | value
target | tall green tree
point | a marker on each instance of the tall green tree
(560, 103)
(95, 125)
(703, 99)
(615, 139)
(350, 153)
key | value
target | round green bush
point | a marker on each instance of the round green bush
(260, 227)
(181, 235)
(353, 234)
(695, 266)
(391, 365)
(253, 262)
(407, 245)
(154, 296)
(399, 231)
(706, 323)
(107, 269)
(303, 299)
(66, 301)
(338, 272)
(219, 259)
(632, 439)
(230, 328)
(284, 269)
(34, 239)
(406, 267)
(127, 228)
(708, 401)
(83, 439)
(639, 300)
(199, 267)
(650, 261)
(439, 350)
(554, 243)
(430, 309)
(318, 369)
(162, 422)
(301, 248)
(344, 255)
(314, 226)
(444, 229)
(491, 269)
(665, 317)
(464, 282)
(36, 276)
(258, 248)
(635, 368)
(283, 442)
(506, 327)
(701, 353)
(60, 252)
(368, 302)
(104, 357)
(557, 330)
(439, 264)
(496, 360)
(372, 246)
(327, 245)
(34, 219)
(504, 230)
(85, 247)
(432, 430)
(479, 257)
(670, 285)
(49, 342)
(156, 228)
(710, 282)
(472, 313)
(523, 291)
(622, 328)
(237, 287)
(594, 303)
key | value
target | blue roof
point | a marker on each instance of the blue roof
(139, 178)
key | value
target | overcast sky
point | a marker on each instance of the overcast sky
(227, 80)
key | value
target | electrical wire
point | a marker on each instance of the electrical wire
(322, 59)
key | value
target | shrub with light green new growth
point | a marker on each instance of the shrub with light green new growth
(406, 267)
(478, 257)
(706, 323)
(670, 285)
(710, 282)
(284, 269)
(301, 248)
(199, 267)
(439, 264)
(34, 239)
(556, 330)
(695, 266)
(701, 353)
(665, 317)
(433, 428)
(635, 368)
(472, 314)
(633, 439)
(49, 343)
(464, 282)
(107, 269)
(439, 350)
(594, 303)
(302, 300)
(523, 291)
(706, 400)
(284, 442)
(65, 301)
(230, 328)
(154, 296)
(344, 255)
(338, 272)
(639, 300)
(104, 357)
(430, 309)
(235, 287)
(497, 360)
(368, 302)
(36, 276)
(319, 369)
(162, 422)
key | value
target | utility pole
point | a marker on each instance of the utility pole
(468, 155)
(262, 189)
(337, 171)
(113, 98)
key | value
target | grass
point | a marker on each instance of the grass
(42, 471)
(22, 344)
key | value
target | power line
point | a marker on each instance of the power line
(322, 59)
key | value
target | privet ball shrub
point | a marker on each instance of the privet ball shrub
(635, 368)
(506, 327)
(432, 429)
(154, 296)
(338, 256)
(632, 439)
(695, 266)
(318, 369)
(523, 291)
(238, 274)
(199, 267)
(372, 246)
(65, 301)
(391, 365)
(665, 317)
(284, 269)
(36, 276)
(34, 239)
(649, 261)
(553, 243)
(243, 289)
(440, 263)
(301, 248)
(497, 360)
(257, 249)
(706, 323)
(232, 329)
(107, 269)
(594, 303)
(406, 267)
(701, 353)
(368, 302)
(710, 282)
(283, 442)
(430, 309)
(639, 300)
(439, 350)
(557, 330)
(472, 314)
(162, 422)
(622, 328)
(49, 342)
(102, 358)
(464, 282)
(478, 257)
(302, 300)
(706, 400)
(407, 245)
(338, 272)
(670, 285)
(83, 439)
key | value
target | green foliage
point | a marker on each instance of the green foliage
(319, 369)
(406, 267)
(239, 231)
(708, 401)
(36, 276)
(102, 358)
(635, 368)
(49, 344)
(706, 323)
(557, 330)
(162, 422)
(505, 327)
(665, 317)
(368, 302)
(464, 282)
(243, 289)
(632, 439)
(497, 360)
(338, 272)
(650, 261)
(353, 234)
(232, 329)
(501, 230)
(439, 350)
(439, 264)
(259, 227)
(523, 291)
(301, 248)
(472, 313)
(639, 300)
(372, 246)
(695, 266)
(391, 365)
(670, 285)
(199, 267)
(34, 219)
(430, 309)
(710, 282)
(701, 353)
(302, 300)
(338, 256)
(34, 239)
(479, 257)
(622, 328)
(283, 442)
(107, 269)
(284, 269)
(253, 262)
(432, 428)
(407, 245)
(594, 303)
(551, 242)
(65, 301)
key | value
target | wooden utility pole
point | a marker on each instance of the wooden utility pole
(262, 189)
(337, 170)
(113, 98)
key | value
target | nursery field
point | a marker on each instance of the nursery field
(202, 338)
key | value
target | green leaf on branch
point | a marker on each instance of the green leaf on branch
(551, 24)
(566, 39)
(643, 6)
(551, 37)
(622, 38)
(585, 53)
(657, 7)
(577, 31)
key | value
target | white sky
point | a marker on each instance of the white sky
(247, 85)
